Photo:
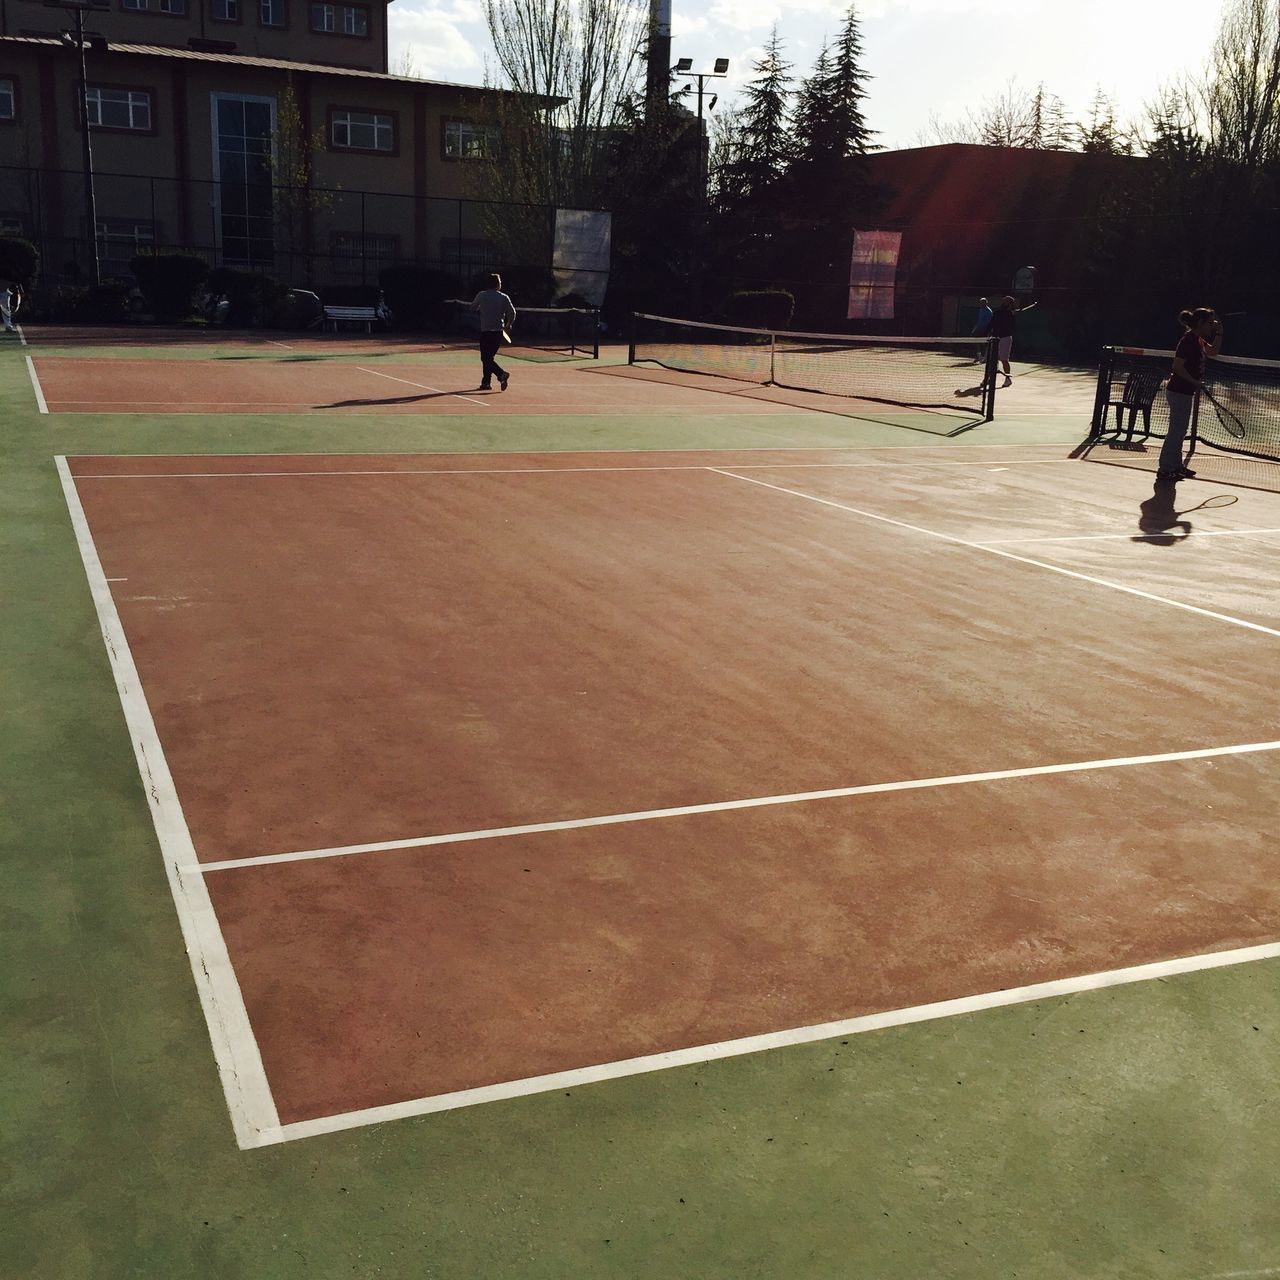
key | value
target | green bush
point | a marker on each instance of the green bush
(105, 303)
(257, 299)
(415, 295)
(169, 282)
(573, 300)
(760, 308)
(19, 261)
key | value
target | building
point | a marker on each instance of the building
(200, 112)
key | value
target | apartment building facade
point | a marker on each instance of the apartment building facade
(198, 111)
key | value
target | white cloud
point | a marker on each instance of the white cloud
(445, 40)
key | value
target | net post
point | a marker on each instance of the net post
(989, 381)
(594, 318)
(631, 340)
(1103, 391)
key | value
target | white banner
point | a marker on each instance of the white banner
(580, 259)
(873, 271)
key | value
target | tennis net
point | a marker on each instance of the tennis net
(570, 330)
(953, 375)
(1238, 412)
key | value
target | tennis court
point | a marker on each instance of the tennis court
(618, 810)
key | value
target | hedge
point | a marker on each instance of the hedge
(169, 282)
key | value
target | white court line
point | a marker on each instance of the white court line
(1128, 537)
(457, 395)
(725, 806)
(1008, 555)
(288, 346)
(522, 471)
(244, 1082)
(22, 337)
(35, 383)
(775, 1040)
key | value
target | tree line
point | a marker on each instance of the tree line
(787, 168)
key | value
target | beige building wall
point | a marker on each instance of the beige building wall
(287, 29)
(408, 200)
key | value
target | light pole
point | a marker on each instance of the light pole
(719, 71)
(77, 40)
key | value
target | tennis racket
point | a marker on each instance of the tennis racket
(506, 338)
(1226, 419)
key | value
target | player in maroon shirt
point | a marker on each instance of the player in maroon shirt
(1202, 339)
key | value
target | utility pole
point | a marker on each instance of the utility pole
(77, 40)
(657, 80)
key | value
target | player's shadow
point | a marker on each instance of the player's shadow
(430, 395)
(1160, 520)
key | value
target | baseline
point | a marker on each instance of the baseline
(35, 385)
(774, 1040)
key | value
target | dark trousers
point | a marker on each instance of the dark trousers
(490, 369)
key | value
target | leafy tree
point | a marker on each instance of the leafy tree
(298, 199)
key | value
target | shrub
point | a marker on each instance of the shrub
(760, 308)
(256, 299)
(169, 282)
(19, 260)
(105, 303)
(415, 295)
(574, 300)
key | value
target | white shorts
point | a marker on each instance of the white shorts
(1005, 345)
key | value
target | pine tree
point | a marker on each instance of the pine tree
(847, 90)
(813, 121)
(765, 138)
(1102, 135)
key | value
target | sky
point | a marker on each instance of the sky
(930, 59)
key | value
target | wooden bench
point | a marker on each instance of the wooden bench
(333, 316)
(1136, 396)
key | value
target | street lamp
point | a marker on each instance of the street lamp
(719, 70)
(79, 41)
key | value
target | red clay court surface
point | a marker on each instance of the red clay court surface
(370, 676)
(83, 384)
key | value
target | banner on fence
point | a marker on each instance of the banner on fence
(580, 259)
(873, 272)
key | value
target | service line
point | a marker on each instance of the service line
(724, 806)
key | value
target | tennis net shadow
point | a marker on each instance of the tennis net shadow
(932, 422)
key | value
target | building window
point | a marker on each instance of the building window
(10, 226)
(138, 6)
(363, 131)
(226, 10)
(178, 8)
(366, 255)
(119, 108)
(466, 141)
(271, 13)
(340, 19)
(468, 256)
(120, 241)
(8, 100)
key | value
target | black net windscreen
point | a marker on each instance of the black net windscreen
(938, 374)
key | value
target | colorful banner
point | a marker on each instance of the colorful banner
(580, 259)
(872, 274)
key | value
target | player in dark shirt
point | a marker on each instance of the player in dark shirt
(1002, 327)
(1202, 340)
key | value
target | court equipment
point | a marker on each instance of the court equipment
(913, 373)
(1238, 410)
(569, 330)
(506, 338)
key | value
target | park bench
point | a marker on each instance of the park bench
(334, 316)
(1135, 396)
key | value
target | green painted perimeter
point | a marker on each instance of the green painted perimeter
(1128, 1133)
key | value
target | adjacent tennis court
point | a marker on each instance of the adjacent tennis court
(815, 780)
